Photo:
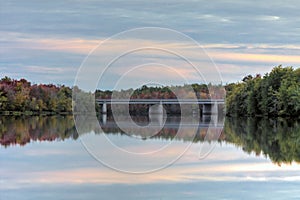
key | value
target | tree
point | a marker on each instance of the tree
(276, 94)
(3, 101)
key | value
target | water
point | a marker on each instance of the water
(44, 158)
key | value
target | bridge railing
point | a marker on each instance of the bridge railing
(163, 101)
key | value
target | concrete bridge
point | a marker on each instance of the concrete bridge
(209, 106)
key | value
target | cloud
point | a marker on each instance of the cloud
(84, 46)
(237, 35)
(233, 60)
(269, 18)
(48, 70)
(213, 18)
(257, 58)
(12, 41)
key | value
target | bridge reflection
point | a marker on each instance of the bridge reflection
(170, 121)
(277, 138)
(186, 128)
(23, 130)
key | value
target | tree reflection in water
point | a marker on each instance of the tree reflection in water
(278, 139)
(22, 130)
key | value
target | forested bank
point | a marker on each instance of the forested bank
(275, 94)
(20, 96)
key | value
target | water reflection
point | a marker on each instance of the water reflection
(277, 139)
(22, 130)
(193, 129)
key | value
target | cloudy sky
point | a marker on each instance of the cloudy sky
(47, 41)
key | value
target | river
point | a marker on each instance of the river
(43, 157)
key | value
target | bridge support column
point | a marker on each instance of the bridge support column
(156, 114)
(156, 109)
(104, 119)
(104, 108)
(214, 109)
(209, 109)
(156, 119)
(206, 109)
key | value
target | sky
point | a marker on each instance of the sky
(48, 41)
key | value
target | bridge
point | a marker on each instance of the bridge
(209, 106)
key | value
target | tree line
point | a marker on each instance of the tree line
(22, 96)
(275, 94)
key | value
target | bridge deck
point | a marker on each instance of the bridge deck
(163, 101)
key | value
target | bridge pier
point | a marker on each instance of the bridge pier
(215, 109)
(210, 109)
(157, 119)
(104, 119)
(209, 106)
(104, 108)
(156, 109)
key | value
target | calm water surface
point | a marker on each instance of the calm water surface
(44, 158)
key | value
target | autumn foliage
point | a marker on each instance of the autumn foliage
(21, 95)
